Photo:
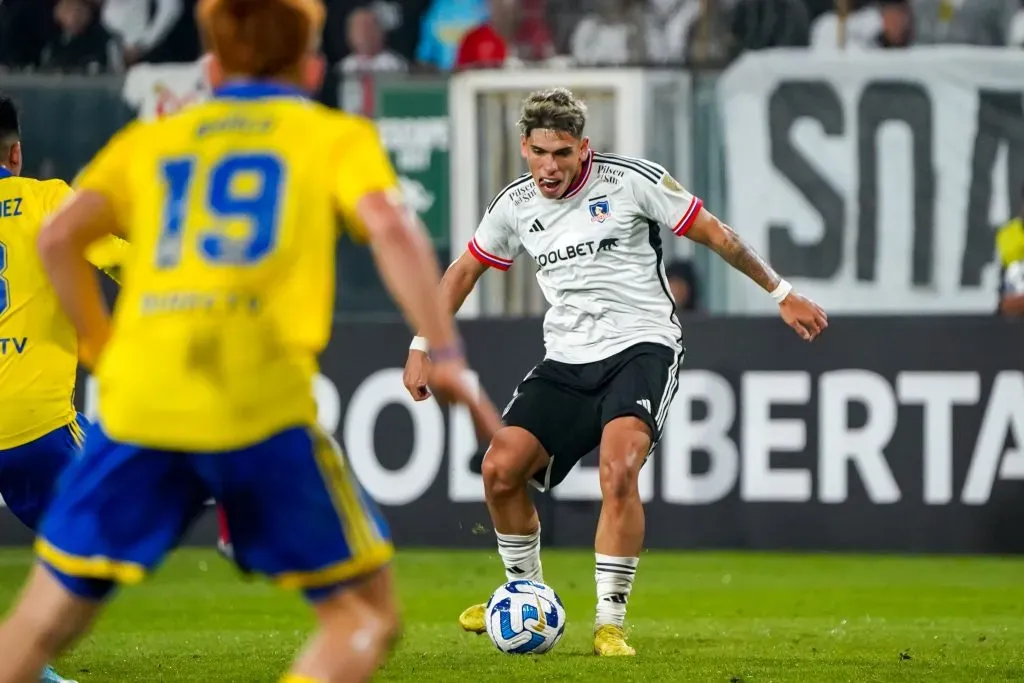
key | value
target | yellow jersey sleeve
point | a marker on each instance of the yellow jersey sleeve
(1010, 242)
(106, 174)
(108, 254)
(362, 168)
(57, 192)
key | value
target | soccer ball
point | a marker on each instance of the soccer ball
(525, 618)
(1014, 278)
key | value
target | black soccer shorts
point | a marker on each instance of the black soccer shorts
(566, 406)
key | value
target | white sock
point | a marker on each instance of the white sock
(614, 577)
(521, 556)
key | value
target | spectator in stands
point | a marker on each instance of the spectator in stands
(25, 28)
(969, 22)
(869, 24)
(760, 24)
(561, 17)
(646, 31)
(614, 33)
(81, 43)
(709, 40)
(399, 19)
(685, 287)
(153, 30)
(367, 57)
(1015, 34)
(897, 23)
(1010, 251)
(668, 28)
(367, 53)
(516, 31)
(444, 25)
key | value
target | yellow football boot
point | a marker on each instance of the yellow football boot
(472, 619)
(610, 641)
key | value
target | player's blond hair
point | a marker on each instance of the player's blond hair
(555, 109)
(260, 38)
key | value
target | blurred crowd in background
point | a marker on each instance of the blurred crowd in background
(364, 39)
(441, 35)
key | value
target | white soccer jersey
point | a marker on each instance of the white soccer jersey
(598, 254)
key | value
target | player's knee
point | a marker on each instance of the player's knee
(386, 612)
(365, 628)
(498, 479)
(504, 469)
(618, 479)
(379, 628)
(620, 467)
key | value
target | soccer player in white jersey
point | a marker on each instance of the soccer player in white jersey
(591, 222)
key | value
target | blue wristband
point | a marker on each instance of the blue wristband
(444, 354)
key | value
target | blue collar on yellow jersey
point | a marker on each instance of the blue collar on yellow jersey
(4, 173)
(254, 90)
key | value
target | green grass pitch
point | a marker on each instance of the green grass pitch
(728, 617)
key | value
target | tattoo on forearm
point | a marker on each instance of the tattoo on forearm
(743, 258)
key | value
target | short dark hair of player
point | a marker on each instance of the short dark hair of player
(261, 38)
(556, 109)
(10, 127)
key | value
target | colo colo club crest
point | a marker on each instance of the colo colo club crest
(599, 209)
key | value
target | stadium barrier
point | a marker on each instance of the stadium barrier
(887, 434)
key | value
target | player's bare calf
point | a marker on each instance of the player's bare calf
(625, 445)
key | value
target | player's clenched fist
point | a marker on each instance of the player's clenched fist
(417, 374)
(803, 315)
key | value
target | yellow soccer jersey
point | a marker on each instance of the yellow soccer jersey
(1010, 242)
(38, 345)
(231, 208)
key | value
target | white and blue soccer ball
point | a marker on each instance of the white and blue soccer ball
(525, 618)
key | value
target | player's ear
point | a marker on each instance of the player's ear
(584, 146)
(15, 158)
(214, 71)
(522, 145)
(314, 67)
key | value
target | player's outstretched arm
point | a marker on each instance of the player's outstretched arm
(409, 268)
(456, 284)
(410, 271)
(803, 315)
(63, 242)
(459, 280)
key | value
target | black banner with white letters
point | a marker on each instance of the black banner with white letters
(894, 434)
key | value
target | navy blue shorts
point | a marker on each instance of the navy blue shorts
(29, 472)
(295, 512)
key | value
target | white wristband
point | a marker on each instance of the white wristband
(419, 344)
(782, 291)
